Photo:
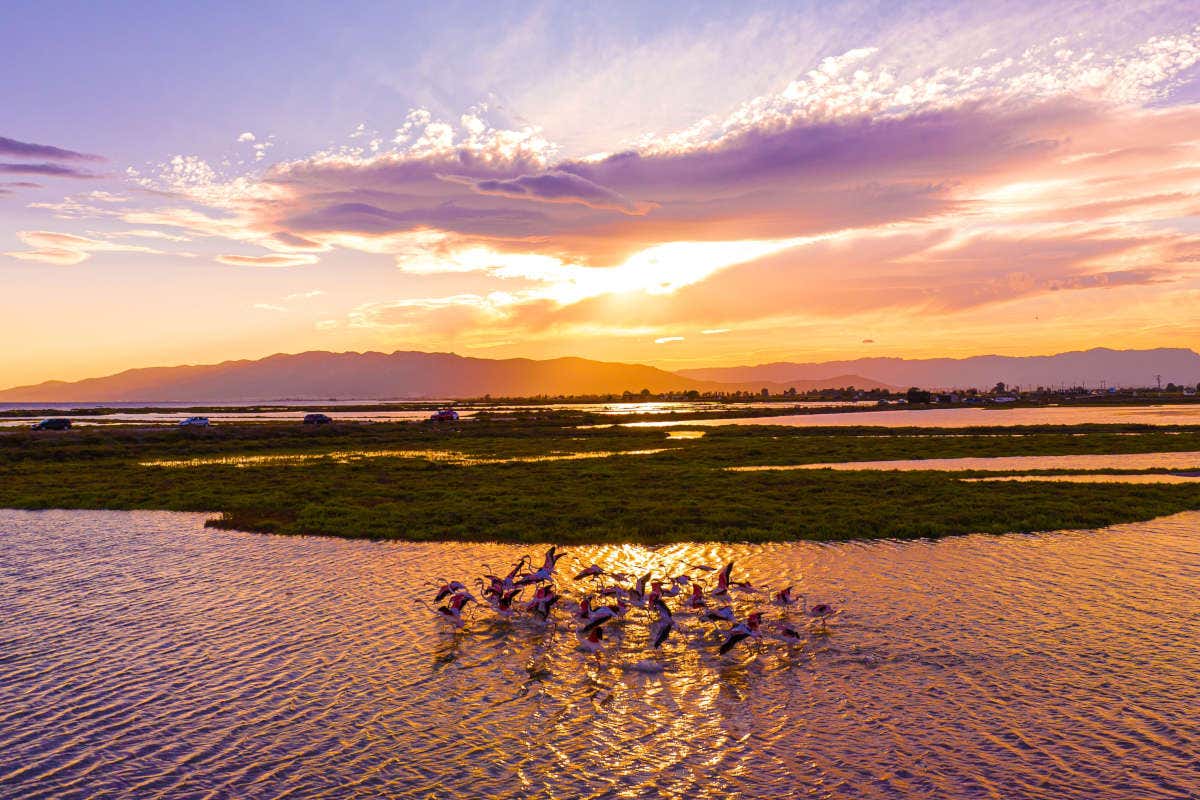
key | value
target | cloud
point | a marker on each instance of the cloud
(782, 181)
(293, 242)
(560, 187)
(246, 137)
(142, 234)
(274, 260)
(14, 148)
(269, 307)
(668, 339)
(80, 206)
(65, 249)
(866, 185)
(49, 170)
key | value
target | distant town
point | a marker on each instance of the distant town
(1000, 394)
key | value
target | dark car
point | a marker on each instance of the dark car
(445, 415)
(316, 419)
(53, 424)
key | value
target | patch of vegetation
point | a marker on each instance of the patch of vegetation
(680, 494)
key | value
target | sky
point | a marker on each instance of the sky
(679, 184)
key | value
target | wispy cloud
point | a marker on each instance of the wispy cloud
(46, 169)
(65, 249)
(12, 147)
(273, 260)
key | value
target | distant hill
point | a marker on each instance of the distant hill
(369, 376)
(1113, 367)
(321, 375)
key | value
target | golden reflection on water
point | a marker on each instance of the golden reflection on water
(1091, 478)
(685, 434)
(1171, 460)
(348, 456)
(142, 649)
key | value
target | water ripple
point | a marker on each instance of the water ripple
(142, 655)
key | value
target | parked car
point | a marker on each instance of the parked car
(317, 419)
(53, 424)
(444, 415)
(194, 421)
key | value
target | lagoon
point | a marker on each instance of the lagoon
(144, 655)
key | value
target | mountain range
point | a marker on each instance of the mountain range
(370, 376)
(406, 374)
(1084, 367)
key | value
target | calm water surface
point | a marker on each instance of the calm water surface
(398, 411)
(1169, 460)
(144, 656)
(971, 417)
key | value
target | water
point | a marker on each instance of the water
(972, 417)
(348, 456)
(395, 411)
(144, 656)
(1172, 460)
(1137, 477)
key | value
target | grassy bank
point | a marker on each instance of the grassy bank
(680, 493)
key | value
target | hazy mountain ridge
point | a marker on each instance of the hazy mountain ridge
(1090, 367)
(318, 375)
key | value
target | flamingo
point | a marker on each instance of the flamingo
(820, 612)
(542, 600)
(657, 638)
(676, 588)
(502, 604)
(585, 608)
(637, 594)
(741, 631)
(788, 634)
(722, 614)
(591, 644)
(783, 597)
(736, 634)
(591, 572)
(664, 624)
(599, 617)
(723, 581)
(696, 601)
(448, 588)
(540, 576)
(452, 611)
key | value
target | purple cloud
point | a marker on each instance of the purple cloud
(16, 149)
(367, 218)
(561, 187)
(298, 242)
(50, 170)
(790, 178)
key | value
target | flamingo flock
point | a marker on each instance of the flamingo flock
(598, 603)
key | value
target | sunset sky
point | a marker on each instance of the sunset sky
(681, 184)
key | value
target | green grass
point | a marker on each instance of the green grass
(682, 494)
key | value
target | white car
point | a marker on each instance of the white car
(201, 421)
